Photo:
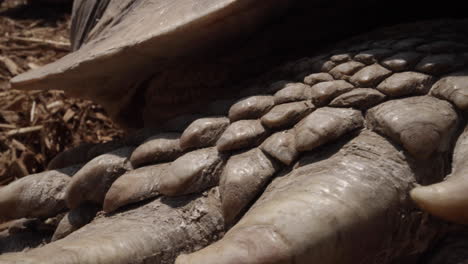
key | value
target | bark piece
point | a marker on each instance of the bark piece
(203, 132)
(281, 146)
(251, 107)
(37, 195)
(285, 115)
(292, 92)
(92, 181)
(370, 76)
(194, 172)
(241, 134)
(406, 83)
(322, 93)
(402, 61)
(135, 186)
(453, 88)
(423, 125)
(159, 148)
(360, 98)
(243, 178)
(324, 125)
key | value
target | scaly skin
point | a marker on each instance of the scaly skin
(324, 179)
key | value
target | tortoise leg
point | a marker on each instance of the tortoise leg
(337, 161)
(319, 210)
(333, 210)
(153, 232)
(449, 199)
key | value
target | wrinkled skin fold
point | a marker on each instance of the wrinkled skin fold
(302, 217)
(315, 161)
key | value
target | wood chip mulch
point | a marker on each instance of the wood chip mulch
(37, 125)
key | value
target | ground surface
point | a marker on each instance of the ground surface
(36, 125)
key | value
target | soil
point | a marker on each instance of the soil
(37, 125)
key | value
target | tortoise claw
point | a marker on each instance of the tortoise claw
(449, 199)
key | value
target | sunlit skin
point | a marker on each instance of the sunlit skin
(313, 161)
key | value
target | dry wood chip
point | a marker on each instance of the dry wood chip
(12, 67)
(24, 130)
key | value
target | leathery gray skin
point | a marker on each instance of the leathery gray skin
(313, 164)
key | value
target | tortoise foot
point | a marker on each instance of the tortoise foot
(314, 164)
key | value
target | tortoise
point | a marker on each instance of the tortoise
(263, 138)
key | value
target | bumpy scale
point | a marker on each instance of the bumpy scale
(305, 169)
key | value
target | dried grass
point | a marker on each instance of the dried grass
(35, 126)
